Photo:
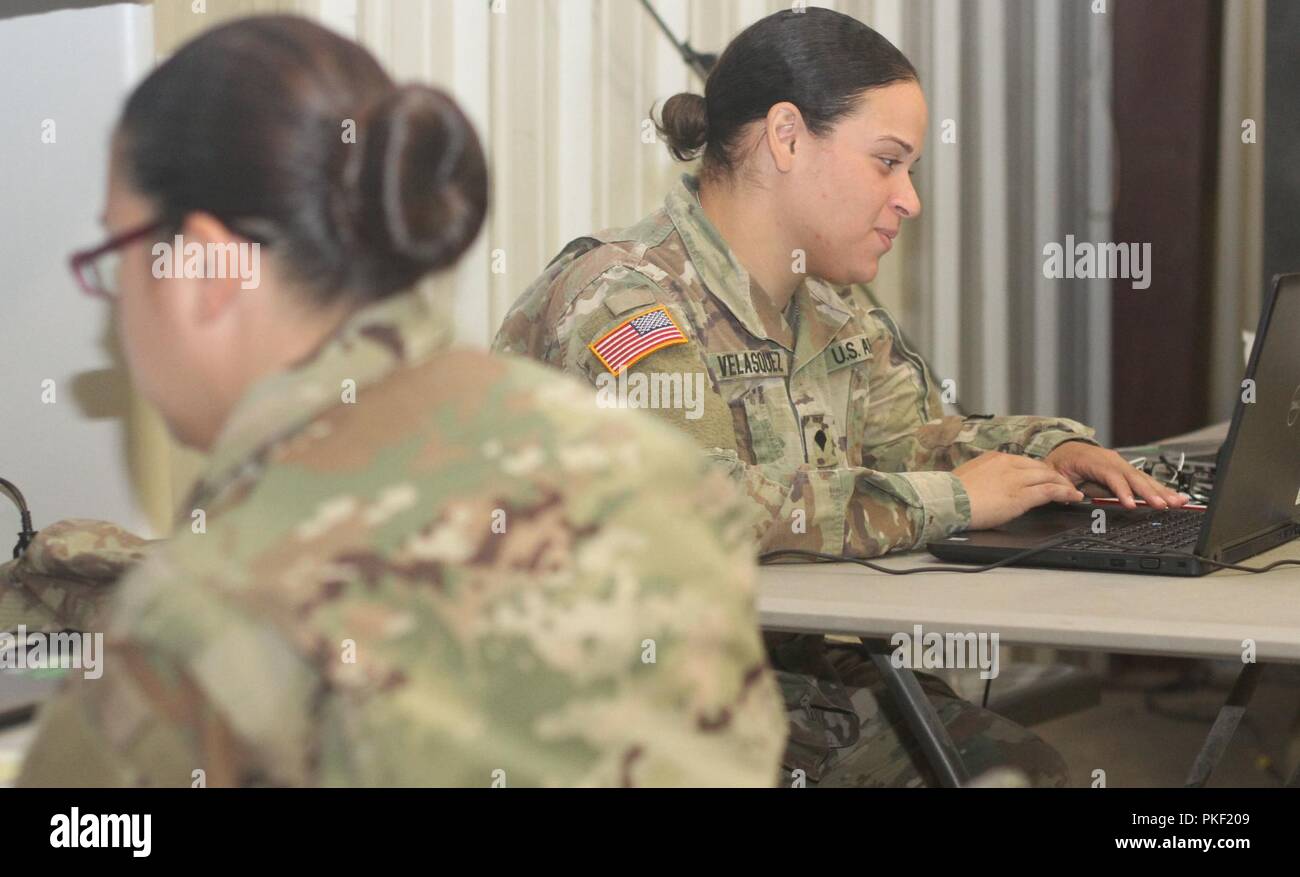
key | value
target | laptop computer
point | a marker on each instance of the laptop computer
(1255, 505)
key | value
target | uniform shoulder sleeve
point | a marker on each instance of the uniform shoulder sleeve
(188, 690)
(67, 573)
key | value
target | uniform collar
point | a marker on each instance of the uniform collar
(718, 268)
(821, 311)
(822, 314)
(373, 342)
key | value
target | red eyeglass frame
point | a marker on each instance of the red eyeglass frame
(82, 260)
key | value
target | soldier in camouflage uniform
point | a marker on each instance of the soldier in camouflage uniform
(416, 566)
(833, 428)
(477, 649)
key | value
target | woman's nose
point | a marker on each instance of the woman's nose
(907, 203)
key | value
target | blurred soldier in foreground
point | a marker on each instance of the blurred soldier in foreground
(417, 566)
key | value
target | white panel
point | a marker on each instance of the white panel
(944, 243)
(671, 76)
(887, 18)
(341, 15)
(1101, 139)
(750, 11)
(70, 456)
(374, 30)
(575, 120)
(470, 36)
(994, 319)
(500, 219)
(1238, 239)
(602, 131)
(1047, 194)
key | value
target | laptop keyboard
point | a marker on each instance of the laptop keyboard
(1170, 530)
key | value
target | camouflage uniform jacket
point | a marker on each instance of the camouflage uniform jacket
(456, 578)
(834, 429)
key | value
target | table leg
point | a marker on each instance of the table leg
(1225, 725)
(921, 716)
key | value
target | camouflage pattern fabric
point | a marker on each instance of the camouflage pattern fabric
(833, 429)
(470, 575)
(66, 574)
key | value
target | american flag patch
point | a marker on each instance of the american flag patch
(636, 338)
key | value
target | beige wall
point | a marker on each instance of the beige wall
(561, 91)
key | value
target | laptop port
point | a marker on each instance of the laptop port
(1151, 563)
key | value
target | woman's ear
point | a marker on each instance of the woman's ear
(785, 130)
(227, 264)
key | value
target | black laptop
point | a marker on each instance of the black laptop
(1254, 507)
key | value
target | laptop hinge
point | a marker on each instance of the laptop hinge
(1252, 545)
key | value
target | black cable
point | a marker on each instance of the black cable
(1250, 569)
(836, 558)
(1028, 552)
(27, 534)
(700, 62)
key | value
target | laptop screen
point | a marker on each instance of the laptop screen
(1257, 486)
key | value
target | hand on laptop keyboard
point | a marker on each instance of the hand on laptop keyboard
(1081, 462)
(1005, 486)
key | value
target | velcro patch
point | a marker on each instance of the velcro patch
(621, 302)
(749, 364)
(848, 352)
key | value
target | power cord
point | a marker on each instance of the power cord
(1006, 561)
(836, 558)
(1251, 569)
(27, 534)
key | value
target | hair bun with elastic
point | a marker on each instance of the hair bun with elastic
(684, 123)
(420, 185)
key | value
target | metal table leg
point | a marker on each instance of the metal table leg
(921, 716)
(1225, 725)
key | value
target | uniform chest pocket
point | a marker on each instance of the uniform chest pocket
(779, 432)
(775, 432)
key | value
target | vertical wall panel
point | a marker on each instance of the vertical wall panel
(1099, 206)
(942, 218)
(1240, 209)
(1047, 194)
(993, 215)
(560, 90)
(574, 147)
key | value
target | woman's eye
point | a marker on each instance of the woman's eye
(890, 162)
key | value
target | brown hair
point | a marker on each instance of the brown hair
(817, 59)
(248, 122)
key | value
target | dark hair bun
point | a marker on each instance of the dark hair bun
(419, 183)
(684, 123)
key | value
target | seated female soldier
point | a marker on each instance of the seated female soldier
(749, 282)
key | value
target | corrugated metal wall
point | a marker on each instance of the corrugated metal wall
(561, 91)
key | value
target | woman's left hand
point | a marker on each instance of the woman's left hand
(1080, 462)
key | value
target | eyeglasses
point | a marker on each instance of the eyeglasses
(96, 269)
